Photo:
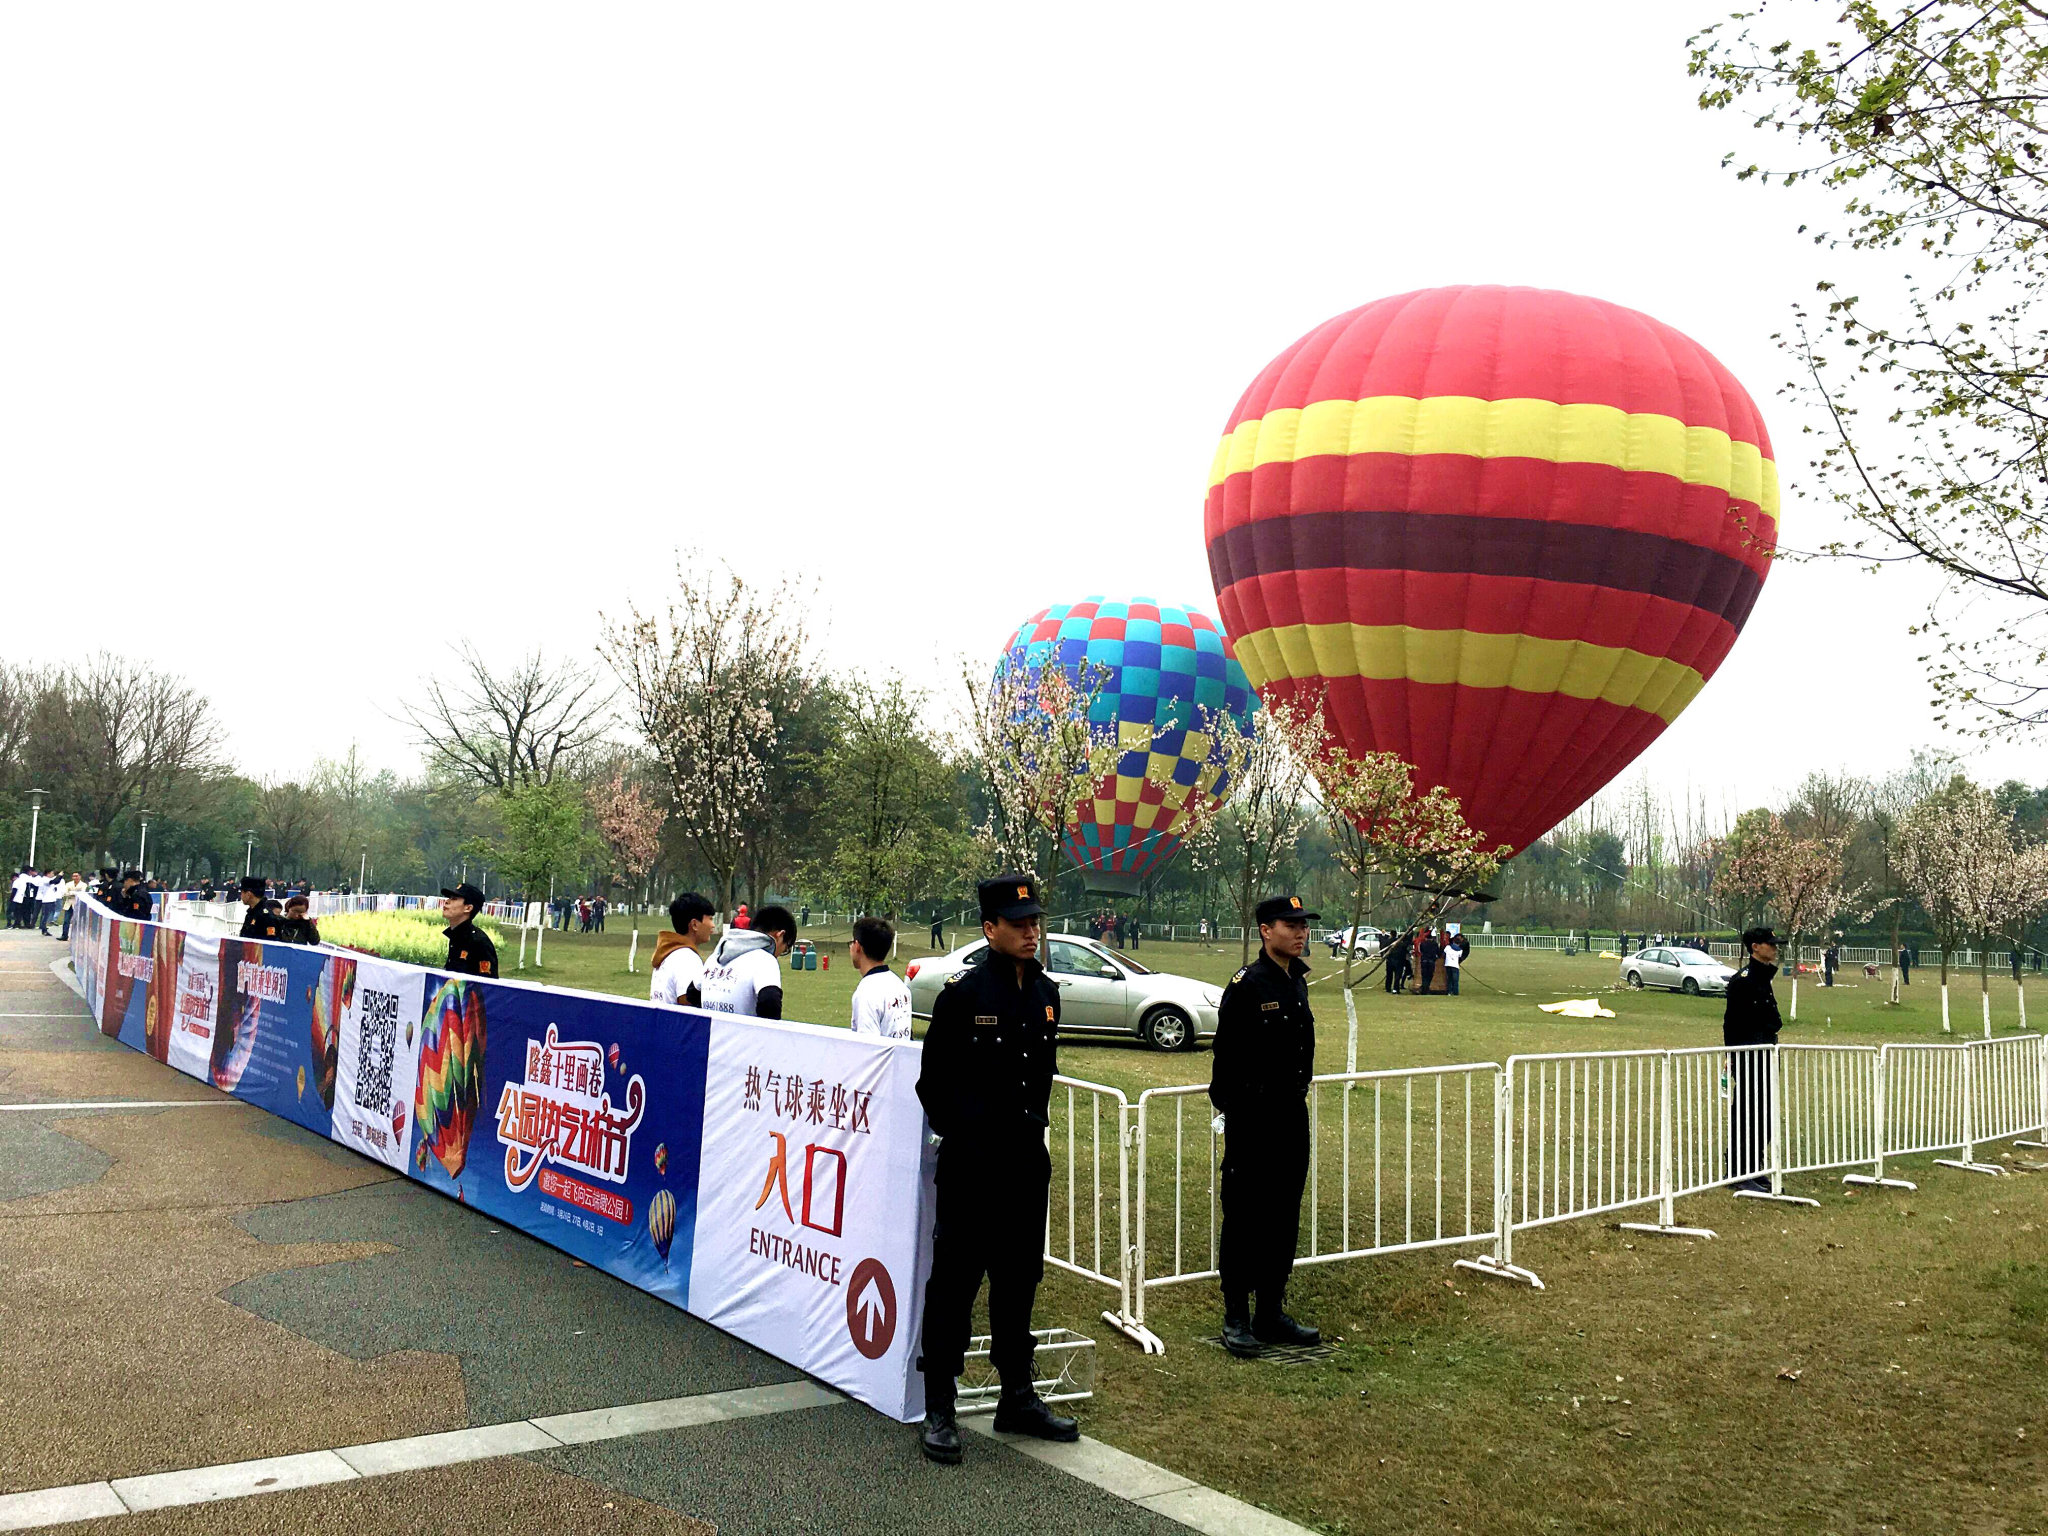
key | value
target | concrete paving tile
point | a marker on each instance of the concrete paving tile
(507, 1495)
(50, 1506)
(456, 1445)
(681, 1412)
(1218, 1514)
(846, 1468)
(236, 1480)
(1115, 1471)
(535, 1332)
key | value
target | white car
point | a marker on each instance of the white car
(1676, 968)
(1364, 946)
(1102, 992)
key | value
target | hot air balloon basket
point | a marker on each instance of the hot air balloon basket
(1064, 1362)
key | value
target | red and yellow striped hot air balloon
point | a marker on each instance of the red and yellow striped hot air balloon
(1506, 533)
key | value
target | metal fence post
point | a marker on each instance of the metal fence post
(1501, 1262)
(1880, 1111)
(1968, 1161)
(2040, 1098)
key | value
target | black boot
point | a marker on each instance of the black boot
(1019, 1411)
(941, 1439)
(1274, 1326)
(1237, 1328)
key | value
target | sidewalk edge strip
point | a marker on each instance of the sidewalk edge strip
(1149, 1486)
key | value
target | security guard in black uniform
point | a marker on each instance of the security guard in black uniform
(1265, 1054)
(470, 950)
(1751, 1018)
(132, 899)
(986, 1086)
(258, 921)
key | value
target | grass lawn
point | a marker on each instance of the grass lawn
(1878, 1363)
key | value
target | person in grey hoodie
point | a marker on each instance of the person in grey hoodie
(744, 974)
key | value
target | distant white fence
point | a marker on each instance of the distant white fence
(1476, 1153)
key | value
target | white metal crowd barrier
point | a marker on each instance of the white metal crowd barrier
(1428, 1157)
(1082, 1235)
(1398, 1161)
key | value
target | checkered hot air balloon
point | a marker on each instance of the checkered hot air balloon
(1506, 533)
(1170, 673)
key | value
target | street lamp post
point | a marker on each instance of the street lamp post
(35, 821)
(362, 870)
(142, 850)
(248, 849)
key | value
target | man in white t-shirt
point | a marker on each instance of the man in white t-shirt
(678, 961)
(881, 1002)
(745, 974)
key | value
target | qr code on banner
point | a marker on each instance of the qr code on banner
(377, 1029)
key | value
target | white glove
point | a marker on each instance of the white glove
(1216, 1125)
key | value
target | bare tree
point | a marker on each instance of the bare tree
(505, 730)
(110, 737)
(709, 679)
(288, 820)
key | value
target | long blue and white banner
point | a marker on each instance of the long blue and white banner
(770, 1178)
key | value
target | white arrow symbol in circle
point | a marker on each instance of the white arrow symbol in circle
(871, 1308)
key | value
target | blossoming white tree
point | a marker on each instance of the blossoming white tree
(1267, 768)
(1798, 880)
(1947, 853)
(1037, 759)
(708, 678)
(1389, 839)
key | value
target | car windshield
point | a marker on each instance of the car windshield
(1128, 963)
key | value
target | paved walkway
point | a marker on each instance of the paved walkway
(217, 1322)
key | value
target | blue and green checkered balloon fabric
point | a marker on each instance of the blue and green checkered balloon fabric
(1169, 671)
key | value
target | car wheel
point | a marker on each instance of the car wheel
(1635, 979)
(1689, 987)
(1168, 1029)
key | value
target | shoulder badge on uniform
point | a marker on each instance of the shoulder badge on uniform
(954, 977)
(1240, 973)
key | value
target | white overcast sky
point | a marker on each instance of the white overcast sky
(387, 324)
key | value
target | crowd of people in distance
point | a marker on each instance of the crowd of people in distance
(37, 898)
(1118, 932)
(1417, 955)
(587, 913)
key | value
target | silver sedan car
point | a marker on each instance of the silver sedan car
(1677, 968)
(1102, 993)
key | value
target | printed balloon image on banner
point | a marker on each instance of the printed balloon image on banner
(262, 1047)
(375, 1009)
(801, 1243)
(189, 1046)
(131, 961)
(575, 1119)
(161, 1006)
(88, 953)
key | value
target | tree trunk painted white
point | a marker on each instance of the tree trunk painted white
(1987, 1015)
(1795, 997)
(1944, 1010)
(2023, 1006)
(632, 950)
(1351, 1031)
(1895, 983)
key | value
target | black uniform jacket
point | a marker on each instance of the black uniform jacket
(135, 903)
(470, 951)
(990, 1055)
(1752, 1016)
(259, 924)
(1265, 1049)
